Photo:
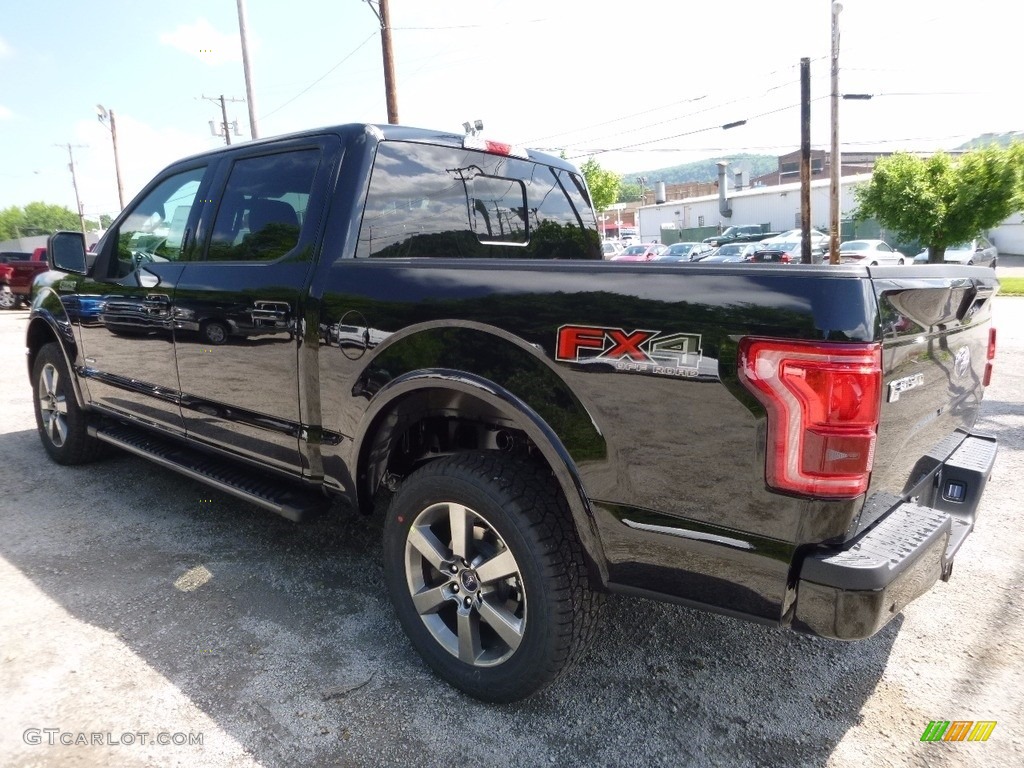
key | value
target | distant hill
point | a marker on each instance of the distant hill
(1000, 139)
(707, 170)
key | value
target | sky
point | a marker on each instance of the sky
(639, 85)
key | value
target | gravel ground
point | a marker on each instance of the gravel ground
(134, 602)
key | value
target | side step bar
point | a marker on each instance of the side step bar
(277, 496)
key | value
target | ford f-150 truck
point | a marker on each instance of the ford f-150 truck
(24, 271)
(421, 323)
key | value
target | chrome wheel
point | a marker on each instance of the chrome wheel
(53, 407)
(216, 333)
(465, 584)
(7, 299)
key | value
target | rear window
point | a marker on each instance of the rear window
(449, 202)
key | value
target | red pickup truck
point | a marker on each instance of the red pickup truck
(17, 271)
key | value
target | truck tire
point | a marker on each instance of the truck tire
(214, 332)
(61, 422)
(503, 613)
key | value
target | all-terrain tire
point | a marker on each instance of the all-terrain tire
(487, 576)
(62, 424)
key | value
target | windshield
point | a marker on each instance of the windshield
(856, 245)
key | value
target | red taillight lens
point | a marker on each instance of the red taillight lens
(823, 401)
(785, 258)
(990, 356)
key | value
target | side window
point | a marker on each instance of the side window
(450, 202)
(155, 229)
(260, 216)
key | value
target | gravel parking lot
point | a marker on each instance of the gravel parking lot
(138, 605)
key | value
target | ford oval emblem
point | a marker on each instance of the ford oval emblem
(962, 361)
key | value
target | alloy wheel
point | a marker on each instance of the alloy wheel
(465, 584)
(53, 406)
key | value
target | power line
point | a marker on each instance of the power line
(717, 105)
(693, 132)
(325, 74)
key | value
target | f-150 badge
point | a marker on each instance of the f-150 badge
(638, 351)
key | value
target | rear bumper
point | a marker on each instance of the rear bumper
(851, 593)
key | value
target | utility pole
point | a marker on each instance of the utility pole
(836, 162)
(390, 89)
(74, 180)
(104, 115)
(250, 97)
(224, 116)
(805, 161)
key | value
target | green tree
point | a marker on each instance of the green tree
(36, 218)
(603, 185)
(12, 221)
(943, 200)
(629, 193)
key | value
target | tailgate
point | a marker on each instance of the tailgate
(25, 272)
(935, 324)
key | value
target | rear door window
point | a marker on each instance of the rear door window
(449, 202)
(261, 213)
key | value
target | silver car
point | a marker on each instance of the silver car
(978, 251)
(869, 252)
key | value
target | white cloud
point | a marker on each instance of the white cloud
(204, 42)
(5, 113)
(143, 150)
(5, 49)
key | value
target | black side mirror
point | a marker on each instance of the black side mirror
(66, 251)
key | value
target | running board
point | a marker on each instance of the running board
(292, 503)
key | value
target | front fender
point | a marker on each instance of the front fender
(48, 321)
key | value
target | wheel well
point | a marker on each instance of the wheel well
(427, 425)
(39, 334)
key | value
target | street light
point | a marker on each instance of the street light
(107, 118)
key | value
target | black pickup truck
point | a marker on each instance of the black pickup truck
(421, 323)
(741, 233)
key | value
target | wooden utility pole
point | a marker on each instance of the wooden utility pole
(390, 89)
(250, 95)
(74, 180)
(805, 161)
(836, 160)
(224, 117)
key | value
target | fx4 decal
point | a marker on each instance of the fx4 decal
(639, 351)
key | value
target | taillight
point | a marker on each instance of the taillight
(990, 356)
(785, 258)
(823, 401)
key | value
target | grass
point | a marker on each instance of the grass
(1011, 286)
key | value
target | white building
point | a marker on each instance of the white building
(778, 207)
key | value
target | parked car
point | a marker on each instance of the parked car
(978, 251)
(819, 240)
(869, 252)
(611, 248)
(686, 252)
(777, 251)
(641, 252)
(731, 252)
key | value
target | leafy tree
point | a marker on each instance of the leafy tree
(603, 185)
(629, 193)
(12, 221)
(105, 221)
(36, 218)
(943, 200)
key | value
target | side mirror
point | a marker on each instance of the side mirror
(66, 251)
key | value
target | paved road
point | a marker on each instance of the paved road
(133, 601)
